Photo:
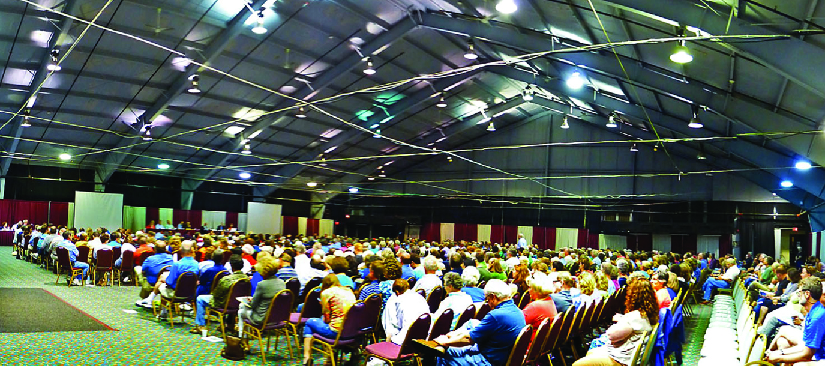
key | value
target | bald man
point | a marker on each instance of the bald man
(187, 263)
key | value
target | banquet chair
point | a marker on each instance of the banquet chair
(390, 352)
(186, 288)
(442, 325)
(468, 314)
(276, 320)
(231, 306)
(520, 348)
(311, 309)
(65, 264)
(105, 263)
(348, 338)
(127, 266)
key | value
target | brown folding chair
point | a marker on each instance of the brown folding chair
(127, 265)
(65, 264)
(468, 314)
(539, 339)
(83, 254)
(218, 276)
(105, 263)
(238, 289)
(276, 320)
(435, 298)
(311, 309)
(391, 352)
(442, 325)
(294, 285)
(519, 350)
(525, 300)
(372, 316)
(482, 311)
(348, 337)
(186, 287)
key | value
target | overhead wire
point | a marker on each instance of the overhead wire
(388, 85)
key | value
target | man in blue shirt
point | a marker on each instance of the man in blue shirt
(789, 346)
(187, 263)
(208, 275)
(490, 340)
(148, 275)
(407, 271)
(73, 253)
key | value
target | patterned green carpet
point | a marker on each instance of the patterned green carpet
(139, 340)
(695, 328)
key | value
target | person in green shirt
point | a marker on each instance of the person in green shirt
(767, 275)
(496, 271)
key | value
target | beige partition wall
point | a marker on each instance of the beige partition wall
(484, 232)
(567, 238)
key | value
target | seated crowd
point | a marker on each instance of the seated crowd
(522, 286)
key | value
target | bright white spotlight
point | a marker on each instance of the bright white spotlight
(803, 165)
(491, 127)
(565, 124)
(507, 6)
(65, 157)
(259, 25)
(471, 52)
(245, 175)
(312, 184)
(576, 80)
(353, 189)
(441, 103)
(369, 70)
(611, 121)
(163, 166)
(786, 184)
(53, 67)
(681, 54)
(695, 123)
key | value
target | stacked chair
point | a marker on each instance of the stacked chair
(731, 337)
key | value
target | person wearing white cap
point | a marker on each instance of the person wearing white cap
(488, 341)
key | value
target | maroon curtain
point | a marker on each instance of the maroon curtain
(313, 227)
(37, 212)
(232, 218)
(468, 232)
(59, 213)
(193, 217)
(497, 234)
(725, 245)
(539, 239)
(7, 212)
(153, 214)
(180, 216)
(511, 234)
(290, 225)
(430, 232)
(587, 240)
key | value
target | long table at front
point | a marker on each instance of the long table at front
(6, 238)
(191, 232)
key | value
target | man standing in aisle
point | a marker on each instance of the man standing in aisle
(522, 242)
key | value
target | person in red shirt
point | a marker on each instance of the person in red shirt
(143, 246)
(542, 306)
(248, 250)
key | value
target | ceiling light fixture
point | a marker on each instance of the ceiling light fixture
(633, 148)
(611, 121)
(701, 156)
(245, 175)
(507, 6)
(148, 135)
(786, 184)
(301, 113)
(370, 178)
(194, 88)
(65, 157)
(491, 127)
(312, 184)
(26, 122)
(576, 80)
(695, 122)
(803, 165)
(163, 166)
(441, 103)
(259, 25)
(564, 124)
(369, 70)
(353, 189)
(681, 54)
(527, 94)
(53, 66)
(247, 149)
(471, 52)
